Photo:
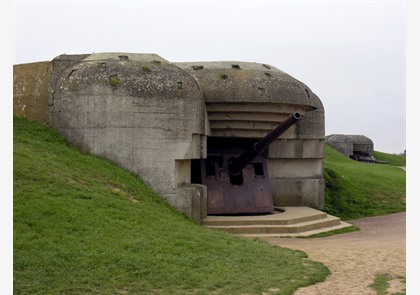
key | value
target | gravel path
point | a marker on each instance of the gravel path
(356, 258)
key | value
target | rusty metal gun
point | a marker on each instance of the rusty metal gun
(237, 164)
(237, 180)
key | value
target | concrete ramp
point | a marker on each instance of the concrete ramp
(283, 222)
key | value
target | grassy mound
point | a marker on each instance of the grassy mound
(359, 189)
(395, 160)
(83, 226)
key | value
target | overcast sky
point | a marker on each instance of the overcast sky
(350, 53)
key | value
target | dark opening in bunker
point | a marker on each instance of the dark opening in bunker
(220, 151)
(123, 57)
(196, 171)
(197, 67)
(214, 163)
(258, 169)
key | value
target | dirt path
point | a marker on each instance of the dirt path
(356, 258)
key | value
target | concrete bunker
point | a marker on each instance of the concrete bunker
(356, 147)
(175, 123)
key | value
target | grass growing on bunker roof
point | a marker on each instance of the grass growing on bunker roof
(114, 80)
(83, 226)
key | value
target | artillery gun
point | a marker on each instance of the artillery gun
(237, 180)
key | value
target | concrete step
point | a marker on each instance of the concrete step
(281, 216)
(279, 229)
(293, 221)
(299, 234)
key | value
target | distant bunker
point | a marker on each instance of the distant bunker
(356, 147)
(199, 133)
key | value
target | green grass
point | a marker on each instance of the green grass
(83, 226)
(359, 189)
(381, 284)
(395, 160)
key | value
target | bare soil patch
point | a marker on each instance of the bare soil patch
(356, 258)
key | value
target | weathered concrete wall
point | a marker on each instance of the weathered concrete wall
(137, 110)
(31, 86)
(296, 172)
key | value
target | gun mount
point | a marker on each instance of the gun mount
(237, 181)
(237, 164)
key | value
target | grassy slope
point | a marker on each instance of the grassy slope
(395, 160)
(359, 189)
(83, 226)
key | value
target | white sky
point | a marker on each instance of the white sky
(350, 53)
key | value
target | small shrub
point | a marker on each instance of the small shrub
(114, 80)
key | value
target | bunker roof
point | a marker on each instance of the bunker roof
(148, 74)
(134, 74)
(355, 139)
(236, 81)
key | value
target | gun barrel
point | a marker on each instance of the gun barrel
(237, 164)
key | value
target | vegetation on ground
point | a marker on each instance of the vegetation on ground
(395, 160)
(381, 284)
(360, 189)
(83, 226)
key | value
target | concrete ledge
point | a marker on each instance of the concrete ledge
(291, 215)
(294, 221)
(301, 234)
